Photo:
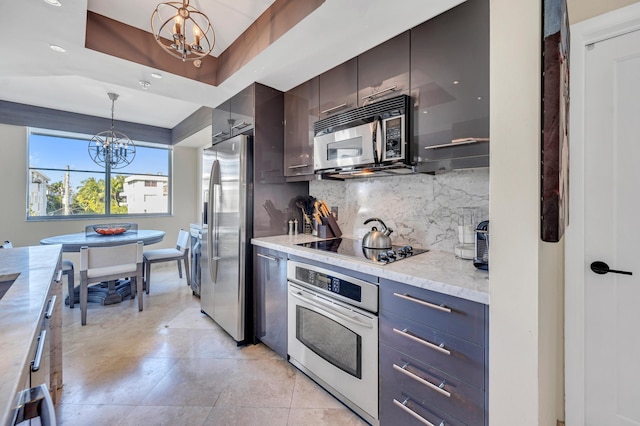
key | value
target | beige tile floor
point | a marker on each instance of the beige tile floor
(172, 365)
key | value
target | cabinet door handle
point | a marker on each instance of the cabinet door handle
(380, 92)
(58, 276)
(37, 360)
(413, 414)
(240, 125)
(271, 258)
(219, 134)
(439, 348)
(52, 303)
(442, 308)
(437, 388)
(334, 108)
(298, 166)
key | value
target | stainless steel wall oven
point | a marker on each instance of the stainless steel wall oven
(333, 334)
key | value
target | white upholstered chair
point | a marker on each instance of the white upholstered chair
(98, 264)
(180, 253)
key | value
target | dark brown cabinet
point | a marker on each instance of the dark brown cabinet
(433, 357)
(234, 116)
(383, 72)
(241, 111)
(301, 111)
(450, 88)
(339, 88)
(220, 128)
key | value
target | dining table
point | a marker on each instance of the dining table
(111, 292)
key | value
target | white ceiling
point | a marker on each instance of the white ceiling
(79, 79)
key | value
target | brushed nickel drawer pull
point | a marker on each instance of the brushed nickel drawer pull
(37, 360)
(413, 414)
(52, 303)
(442, 308)
(380, 92)
(439, 348)
(437, 388)
(271, 258)
(240, 125)
(298, 166)
(333, 108)
(219, 134)
(58, 276)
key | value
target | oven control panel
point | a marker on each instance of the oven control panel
(332, 284)
(329, 283)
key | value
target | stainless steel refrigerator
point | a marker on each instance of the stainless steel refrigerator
(241, 201)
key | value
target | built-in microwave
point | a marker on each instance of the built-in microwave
(370, 136)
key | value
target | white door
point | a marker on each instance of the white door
(612, 231)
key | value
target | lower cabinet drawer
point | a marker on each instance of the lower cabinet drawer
(450, 354)
(400, 408)
(428, 387)
(452, 315)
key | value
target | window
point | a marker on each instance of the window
(63, 181)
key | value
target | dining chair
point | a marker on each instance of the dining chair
(180, 253)
(98, 264)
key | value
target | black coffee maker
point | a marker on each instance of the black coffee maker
(481, 259)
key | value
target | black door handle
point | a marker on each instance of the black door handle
(601, 268)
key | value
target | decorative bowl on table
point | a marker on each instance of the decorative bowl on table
(112, 228)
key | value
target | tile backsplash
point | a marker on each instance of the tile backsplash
(423, 210)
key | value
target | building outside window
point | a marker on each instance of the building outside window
(64, 181)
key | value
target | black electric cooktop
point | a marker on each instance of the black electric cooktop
(353, 248)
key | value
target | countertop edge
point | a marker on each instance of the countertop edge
(445, 273)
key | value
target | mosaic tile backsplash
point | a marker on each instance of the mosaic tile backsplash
(423, 210)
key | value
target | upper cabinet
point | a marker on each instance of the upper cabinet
(241, 111)
(339, 88)
(450, 89)
(220, 128)
(234, 116)
(383, 72)
(301, 111)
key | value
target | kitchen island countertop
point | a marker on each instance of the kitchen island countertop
(434, 270)
(20, 311)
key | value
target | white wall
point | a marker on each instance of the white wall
(523, 367)
(579, 10)
(13, 223)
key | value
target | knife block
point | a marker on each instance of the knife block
(332, 226)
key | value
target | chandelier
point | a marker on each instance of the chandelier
(174, 22)
(110, 148)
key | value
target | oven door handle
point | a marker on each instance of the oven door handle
(343, 313)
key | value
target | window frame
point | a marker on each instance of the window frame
(107, 175)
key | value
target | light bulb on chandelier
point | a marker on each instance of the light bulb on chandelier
(111, 148)
(173, 23)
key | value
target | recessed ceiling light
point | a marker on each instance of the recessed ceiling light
(53, 2)
(456, 82)
(145, 84)
(479, 98)
(156, 75)
(57, 48)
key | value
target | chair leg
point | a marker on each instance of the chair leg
(147, 276)
(70, 285)
(139, 281)
(186, 270)
(84, 292)
(179, 268)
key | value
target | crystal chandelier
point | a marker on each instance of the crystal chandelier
(110, 148)
(172, 22)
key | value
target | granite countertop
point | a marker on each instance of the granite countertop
(434, 270)
(20, 310)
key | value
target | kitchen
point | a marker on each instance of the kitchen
(522, 292)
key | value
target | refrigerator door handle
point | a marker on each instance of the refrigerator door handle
(212, 219)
